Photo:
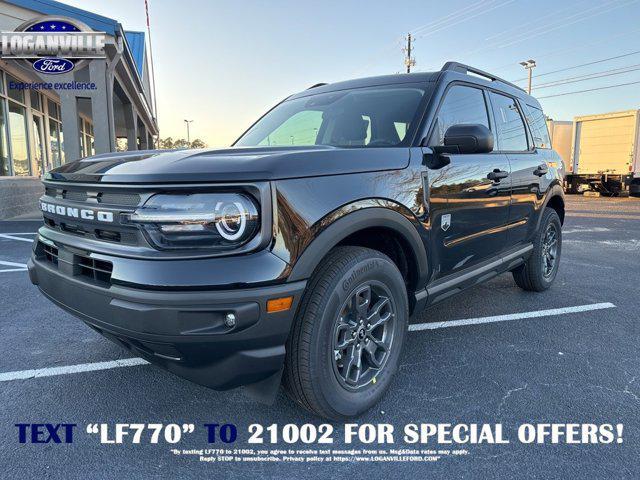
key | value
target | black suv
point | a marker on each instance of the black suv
(299, 254)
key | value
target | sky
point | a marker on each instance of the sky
(224, 63)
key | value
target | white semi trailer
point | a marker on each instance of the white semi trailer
(605, 156)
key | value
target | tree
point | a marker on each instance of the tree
(166, 143)
(169, 143)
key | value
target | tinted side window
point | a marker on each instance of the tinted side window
(512, 136)
(538, 124)
(461, 105)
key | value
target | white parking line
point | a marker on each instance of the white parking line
(83, 367)
(13, 264)
(12, 237)
(131, 362)
(13, 270)
(513, 316)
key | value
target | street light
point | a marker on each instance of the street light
(529, 65)
(188, 136)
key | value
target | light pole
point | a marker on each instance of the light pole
(529, 65)
(188, 136)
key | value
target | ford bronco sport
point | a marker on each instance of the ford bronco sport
(298, 255)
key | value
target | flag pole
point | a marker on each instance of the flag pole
(153, 75)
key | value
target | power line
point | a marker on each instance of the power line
(589, 76)
(580, 17)
(581, 65)
(537, 21)
(462, 20)
(589, 90)
(555, 53)
(447, 18)
(561, 23)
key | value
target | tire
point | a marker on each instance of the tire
(320, 377)
(533, 275)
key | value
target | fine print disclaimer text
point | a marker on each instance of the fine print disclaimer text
(312, 455)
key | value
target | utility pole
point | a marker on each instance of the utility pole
(188, 137)
(529, 65)
(408, 60)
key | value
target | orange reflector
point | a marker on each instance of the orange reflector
(279, 304)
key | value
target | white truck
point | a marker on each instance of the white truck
(605, 156)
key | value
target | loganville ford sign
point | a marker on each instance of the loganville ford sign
(52, 45)
(53, 66)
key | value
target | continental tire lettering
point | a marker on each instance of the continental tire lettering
(347, 283)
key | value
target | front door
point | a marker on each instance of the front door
(473, 191)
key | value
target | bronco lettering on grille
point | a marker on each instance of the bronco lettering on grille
(83, 213)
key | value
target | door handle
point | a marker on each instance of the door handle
(497, 175)
(541, 170)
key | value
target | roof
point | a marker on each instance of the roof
(136, 45)
(93, 20)
(419, 77)
(50, 7)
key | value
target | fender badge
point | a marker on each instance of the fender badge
(445, 222)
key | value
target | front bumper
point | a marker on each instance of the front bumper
(180, 330)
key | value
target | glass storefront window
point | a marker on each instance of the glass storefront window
(87, 146)
(14, 93)
(35, 100)
(54, 110)
(83, 147)
(4, 151)
(39, 153)
(61, 135)
(55, 139)
(19, 144)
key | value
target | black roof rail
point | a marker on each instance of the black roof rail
(317, 85)
(466, 69)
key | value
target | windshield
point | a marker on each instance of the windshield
(363, 117)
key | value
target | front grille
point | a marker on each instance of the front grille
(50, 253)
(97, 270)
(75, 264)
(75, 195)
(116, 200)
(124, 199)
(91, 231)
(94, 196)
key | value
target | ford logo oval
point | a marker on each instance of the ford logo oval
(53, 66)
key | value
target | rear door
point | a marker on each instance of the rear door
(475, 208)
(527, 166)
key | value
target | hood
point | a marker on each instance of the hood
(236, 164)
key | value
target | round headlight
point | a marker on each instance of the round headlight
(198, 220)
(231, 220)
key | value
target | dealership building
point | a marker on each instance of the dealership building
(42, 129)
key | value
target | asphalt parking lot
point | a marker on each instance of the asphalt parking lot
(557, 368)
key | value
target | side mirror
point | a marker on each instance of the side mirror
(467, 139)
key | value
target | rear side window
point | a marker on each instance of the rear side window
(512, 136)
(461, 105)
(538, 125)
